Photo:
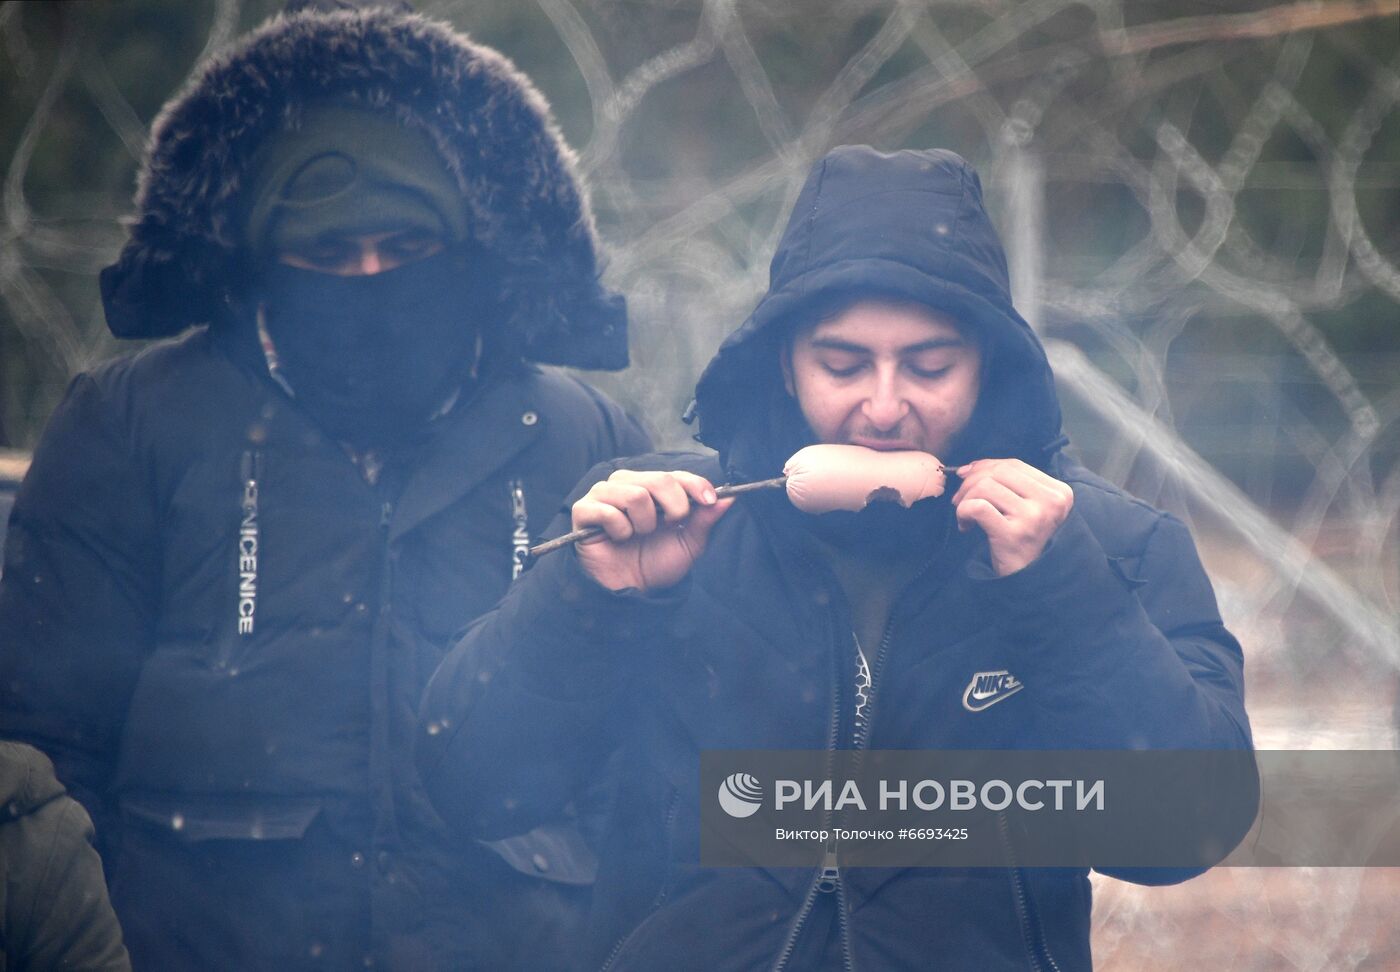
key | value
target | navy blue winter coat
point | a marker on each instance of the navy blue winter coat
(219, 632)
(1113, 631)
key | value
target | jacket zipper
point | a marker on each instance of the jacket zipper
(829, 878)
(829, 875)
(1032, 935)
(848, 959)
(384, 832)
(247, 557)
(520, 536)
(671, 808)
(862, 742)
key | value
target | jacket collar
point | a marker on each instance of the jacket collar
(478, 437)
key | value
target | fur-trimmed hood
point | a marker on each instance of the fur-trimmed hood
(518, 177)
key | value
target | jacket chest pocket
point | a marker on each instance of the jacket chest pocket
(455, 566)
(951, 691)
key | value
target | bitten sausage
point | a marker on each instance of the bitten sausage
(823, 478)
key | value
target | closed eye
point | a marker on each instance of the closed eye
(327, 255)
(930, 372)
(413, 246)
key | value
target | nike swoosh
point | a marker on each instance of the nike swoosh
(987, 700)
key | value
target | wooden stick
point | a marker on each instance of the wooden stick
(587, 533)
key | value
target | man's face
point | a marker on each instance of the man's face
(361, 254)
(885, 376)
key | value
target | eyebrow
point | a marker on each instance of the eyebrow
(934, 344)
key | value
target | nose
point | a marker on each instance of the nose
(885, 407)
(371, 262)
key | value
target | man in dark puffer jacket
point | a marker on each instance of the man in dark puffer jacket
(746, 624)
(240, 553)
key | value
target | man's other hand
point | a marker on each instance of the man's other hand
(1017, 506)
(655, 525)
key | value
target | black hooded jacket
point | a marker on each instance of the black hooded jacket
(1113, 632)
(218, 624)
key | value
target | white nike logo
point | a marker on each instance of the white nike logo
(988, 688)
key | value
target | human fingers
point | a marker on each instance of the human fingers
(634, 499)
(1020, 477)
(621, 509)
(591, 512)
(676, 492)
(700, 490)
(973, 473)
(1035, 485)
(1046, 500)
(979, 512)
(1007, 501)
(694, 533)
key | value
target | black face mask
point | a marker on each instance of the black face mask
(372, 358)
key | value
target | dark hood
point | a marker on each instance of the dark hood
(908, 224)
(524, 196)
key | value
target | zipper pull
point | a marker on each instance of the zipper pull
(831, 870)
(386, 513)
(250, 467)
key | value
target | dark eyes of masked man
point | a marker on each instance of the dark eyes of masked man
(366, 286)
(362, 254)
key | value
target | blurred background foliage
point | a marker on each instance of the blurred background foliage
(1201, 201)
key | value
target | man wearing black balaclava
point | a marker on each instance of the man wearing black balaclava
(367, 285)
(1031, 605)
(240, 552)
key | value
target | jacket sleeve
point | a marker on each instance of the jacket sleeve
(1129, 653)
(77, 594)
(72, 925)
(524, 711)
(1126, 656)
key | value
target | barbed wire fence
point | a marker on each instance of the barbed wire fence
(1170, 276)
(1202, 212)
